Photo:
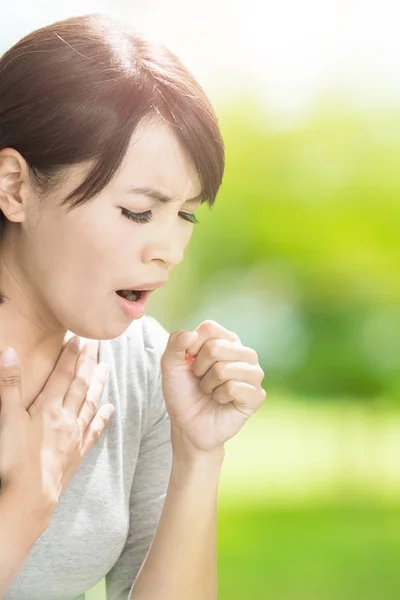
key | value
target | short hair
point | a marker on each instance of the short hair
(77, 89)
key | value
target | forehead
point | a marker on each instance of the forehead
(156, 159)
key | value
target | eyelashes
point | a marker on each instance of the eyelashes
(148, 215)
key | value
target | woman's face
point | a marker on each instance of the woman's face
(67, 266)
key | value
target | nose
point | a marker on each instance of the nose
(170, 252)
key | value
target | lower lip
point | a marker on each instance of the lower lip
(133, 310)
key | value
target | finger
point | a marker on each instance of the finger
(244, 397)
(79, 387)
(222, 371)
(91, 348)
(60, 379)
(210, 329)
(90, 405)
(10, 379)
(219, 349)
(177, 345)
(96, 427)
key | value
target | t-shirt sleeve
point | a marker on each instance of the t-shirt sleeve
(152, 473)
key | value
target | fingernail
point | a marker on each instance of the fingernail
(110, 412)
(74, 340)
(9, 357)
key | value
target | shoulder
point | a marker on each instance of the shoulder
(155, 337)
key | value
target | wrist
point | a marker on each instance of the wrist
(185, 452)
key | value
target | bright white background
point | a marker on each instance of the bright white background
(285, 52)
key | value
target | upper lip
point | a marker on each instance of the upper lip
(147, 286)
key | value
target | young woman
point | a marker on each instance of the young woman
(107, 147)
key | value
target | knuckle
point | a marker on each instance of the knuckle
(72, 428)
(55, 413)
(175, 334)
(63, 450)
(220, 370)
(212, 347)
(68, 426)
(68, 371)
(208, 325)
(252, 355)
(92, 404)
(231, 388)
(82, 383)
(11, 379)
(96, 432)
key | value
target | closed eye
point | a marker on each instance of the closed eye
(147, 216)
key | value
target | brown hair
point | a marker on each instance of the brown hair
(76, 90)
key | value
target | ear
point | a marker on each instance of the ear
(14, 176)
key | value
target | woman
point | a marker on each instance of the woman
(107, 147)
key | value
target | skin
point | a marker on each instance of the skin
(60, 269)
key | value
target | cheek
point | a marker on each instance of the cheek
(73, 254)
(187, 234)
(94, 239)
(109, 251)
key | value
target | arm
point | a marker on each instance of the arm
(182, 560)
(21, 524)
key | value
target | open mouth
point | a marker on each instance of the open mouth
(131, 295)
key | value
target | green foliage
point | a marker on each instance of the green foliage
(347, 552)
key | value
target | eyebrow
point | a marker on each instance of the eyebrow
(157, 195)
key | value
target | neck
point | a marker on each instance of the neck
(26, 325)
(38, 349)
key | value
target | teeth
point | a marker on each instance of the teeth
(129, 295)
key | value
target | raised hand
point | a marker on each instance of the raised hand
(211, 384)
(41, 447)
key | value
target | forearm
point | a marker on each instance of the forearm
(20, 526)
(182, 560)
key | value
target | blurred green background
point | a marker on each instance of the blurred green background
(300, 257)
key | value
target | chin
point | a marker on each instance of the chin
(101, 330)
(90, 319)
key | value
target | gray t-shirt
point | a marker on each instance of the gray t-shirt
(107, 516)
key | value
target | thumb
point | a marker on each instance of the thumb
(10, 379)
(175, 351)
